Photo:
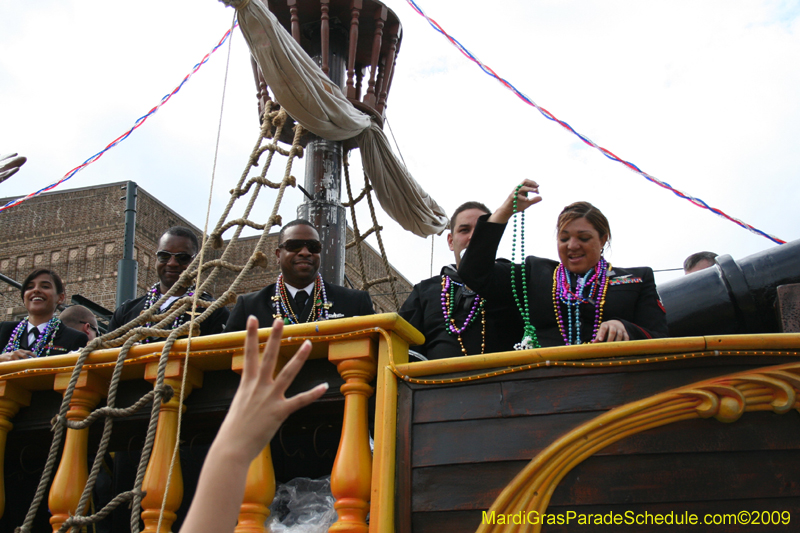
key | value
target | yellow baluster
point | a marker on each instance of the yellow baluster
(258, 494)
(12, 397)
(259, 488)
(73, 470)
(352, 471)
(155, 478)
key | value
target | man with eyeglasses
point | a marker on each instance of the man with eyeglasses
(176, 250)
(299, 294)
(80, 318)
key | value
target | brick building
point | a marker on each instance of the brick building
(79, 233)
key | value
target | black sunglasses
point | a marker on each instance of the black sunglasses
(182, 258)
(295, 245)
(91, 326)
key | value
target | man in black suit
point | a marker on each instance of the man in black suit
(454, 319)
(176, 249)
(300, 294)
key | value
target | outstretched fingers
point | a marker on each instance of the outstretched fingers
(264, 371)
(298, 401)
(250, 370)
(271, 350)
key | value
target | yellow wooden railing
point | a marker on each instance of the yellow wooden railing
(359, 347)
(362, 349)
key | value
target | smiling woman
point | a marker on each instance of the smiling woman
(578, 299)
(41, 333)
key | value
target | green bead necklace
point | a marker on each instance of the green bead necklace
(529, 338)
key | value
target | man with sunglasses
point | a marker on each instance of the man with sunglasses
(176, 250)
(80, 318)
(300, 294)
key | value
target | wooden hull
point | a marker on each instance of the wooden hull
(592, 446)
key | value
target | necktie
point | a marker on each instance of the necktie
(32, 334)
(300, 300)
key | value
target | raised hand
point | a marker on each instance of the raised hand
(257, 411)
(523, 201)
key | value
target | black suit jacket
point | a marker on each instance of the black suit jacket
(344, 301)
(631, 296)
(423, 310)
(66, 340)
(131, 309)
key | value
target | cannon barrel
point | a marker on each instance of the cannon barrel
(732, 296)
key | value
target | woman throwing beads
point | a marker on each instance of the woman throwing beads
(580, 298)
(40, 333)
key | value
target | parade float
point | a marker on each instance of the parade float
(701, 424)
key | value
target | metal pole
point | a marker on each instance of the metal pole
(127, 267)
(323, 180)
(12, 282)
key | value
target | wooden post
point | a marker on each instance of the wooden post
(325, 34)
(355, 7)
(259, 492)
(380, 19)
(73, 470)
(295, 19)
(259, 489)
(12, 397)
(352, 470)
(394, 36)
(155, 478)
(382, 504)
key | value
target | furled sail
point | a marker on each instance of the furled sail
(309, 97)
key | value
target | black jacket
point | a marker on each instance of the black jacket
(423, 310)
(66, 339)
(131, 309)
(345, 303)
(631, 296)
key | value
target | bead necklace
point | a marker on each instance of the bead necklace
(44, 342)
(529, 338)
(153, 295)
(591, 289)
(320, 304)
(448, 303)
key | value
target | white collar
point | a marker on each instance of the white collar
(293, 290)
(168, 302)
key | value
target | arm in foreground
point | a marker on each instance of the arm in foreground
(257, 411)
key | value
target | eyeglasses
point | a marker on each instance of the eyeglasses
(182, 258)
(91, 326)
(295, 245)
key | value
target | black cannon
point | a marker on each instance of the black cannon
(732, 296)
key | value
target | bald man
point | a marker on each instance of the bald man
(79, 318)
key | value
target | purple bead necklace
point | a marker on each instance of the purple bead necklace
(448, 303)
(43, 343)
(591, 289)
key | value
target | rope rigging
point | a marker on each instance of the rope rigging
(202, 275)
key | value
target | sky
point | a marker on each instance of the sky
(702, 95)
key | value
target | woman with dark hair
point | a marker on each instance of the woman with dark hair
(41, 333)
(575, 300)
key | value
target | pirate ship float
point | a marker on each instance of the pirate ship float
(698, 424)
